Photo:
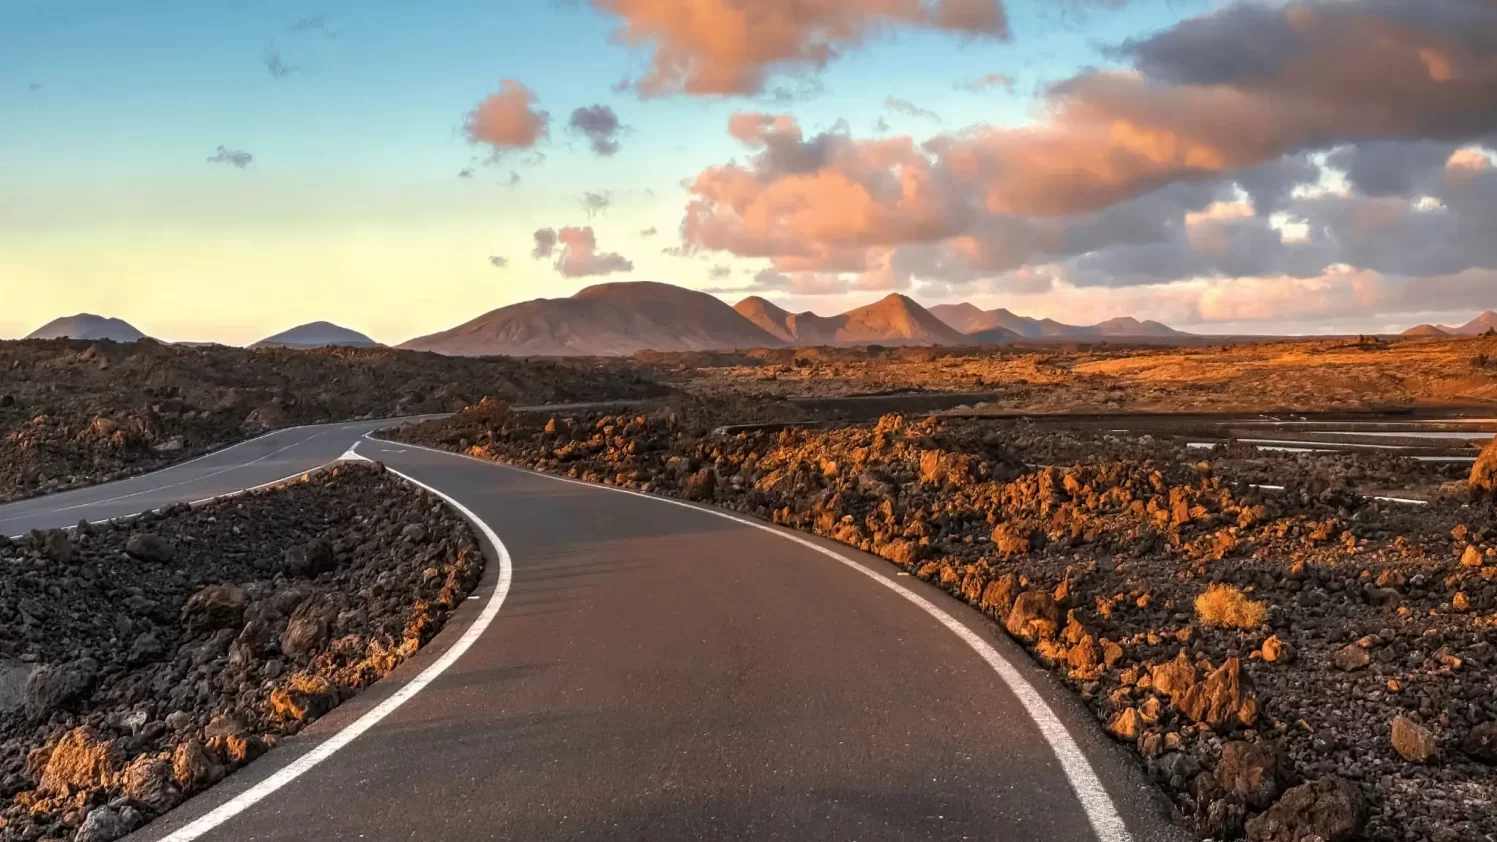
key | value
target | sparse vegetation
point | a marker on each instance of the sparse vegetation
(1226, 607)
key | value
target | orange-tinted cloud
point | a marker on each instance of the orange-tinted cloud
(732, 46)
(508, 119)
(576, 252)
(1237, 96)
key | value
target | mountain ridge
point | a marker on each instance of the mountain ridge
(317, 335)
(89, 327)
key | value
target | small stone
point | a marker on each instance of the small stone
(1413, 741)
(1351, 658)
(1481, 743)
(103, 824)
(415, 533)
(1276, 651)
(1472, 557)
(1126, 724)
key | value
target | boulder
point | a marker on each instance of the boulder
(193, 768)
(1035, 616)
(1481, 743)
(998, 597)
(1327, 809)
(148, 546)
(309, 560)
(1484, 473)
(302, 698)
(701, 485)
(1249, 772)
(55, 686)
(308, 628)
(54, 544)
(104, 824)
(149, 780)
(1174, 678)
(81, 760)
(1223, 700)
(1413, 741)
(215, 607)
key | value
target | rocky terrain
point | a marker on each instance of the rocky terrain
(74, 413)
(1303, 376)
(1288, 665)
(142, 661)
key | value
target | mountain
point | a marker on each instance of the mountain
(1425, 330)
(317, 335)
(88, 326)
(968, 318)
(894, 320)
(994, 336)
(1476, 327)
(614, 319)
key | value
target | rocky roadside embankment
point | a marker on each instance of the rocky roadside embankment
(1288, 666)
(143, 661)
(76, 413)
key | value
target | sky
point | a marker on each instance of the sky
(226, 169)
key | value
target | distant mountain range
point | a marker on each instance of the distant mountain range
(87, 326)
(896, 320)
(606, 320)
(1476, 327)
(973, 321)
(317, 335)
(622, 318)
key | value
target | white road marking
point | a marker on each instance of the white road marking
(1101, 812)
(327, 748)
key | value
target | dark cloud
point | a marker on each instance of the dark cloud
(498, 262)
(599, 125)
(649, 232)
(314, 24)
(232, 157)
(596, 203)
(465, 172)
(277, 66)
(545, 243)
(1392, 168)
(719, 272)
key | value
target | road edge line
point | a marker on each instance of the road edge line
(1101, 811)
(330, 746)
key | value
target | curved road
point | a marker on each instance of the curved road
(634, 668)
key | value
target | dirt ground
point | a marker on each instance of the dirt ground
(1302, 375)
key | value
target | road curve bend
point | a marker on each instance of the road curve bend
(659, 671)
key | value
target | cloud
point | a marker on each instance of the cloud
(545, 243)
(649, 232)
(508, 119)
(315, 23)
(232, 157)
(987, 83)
(498, 262)
(719, 272)
(730, 47)
(35, 86)
(465, 172)
(277, 66)
(1333, 144)
(904, 106)
(599, 125)
(596, 203)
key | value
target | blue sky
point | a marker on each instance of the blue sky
(352, 209)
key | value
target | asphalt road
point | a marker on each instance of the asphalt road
(659, 672)
(272, 457)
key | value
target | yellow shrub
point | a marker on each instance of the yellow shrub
(1226, 607)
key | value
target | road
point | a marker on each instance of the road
(633, 668)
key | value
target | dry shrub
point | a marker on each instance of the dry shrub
(1226, 607)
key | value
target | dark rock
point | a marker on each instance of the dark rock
(52, 687)
(701, 486)
(310, 560)
(103, 824)
(1481, 743)
(307, 629)
(148, 546)
(54, 544)
(215, 607)
(1249, 772)
(149, 780)
(1327, 809)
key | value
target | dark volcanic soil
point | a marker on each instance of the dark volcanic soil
(1288, 665)
(142, 662)
(76, 413)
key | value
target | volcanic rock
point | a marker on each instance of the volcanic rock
(1413, 741)
(1327, 809)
